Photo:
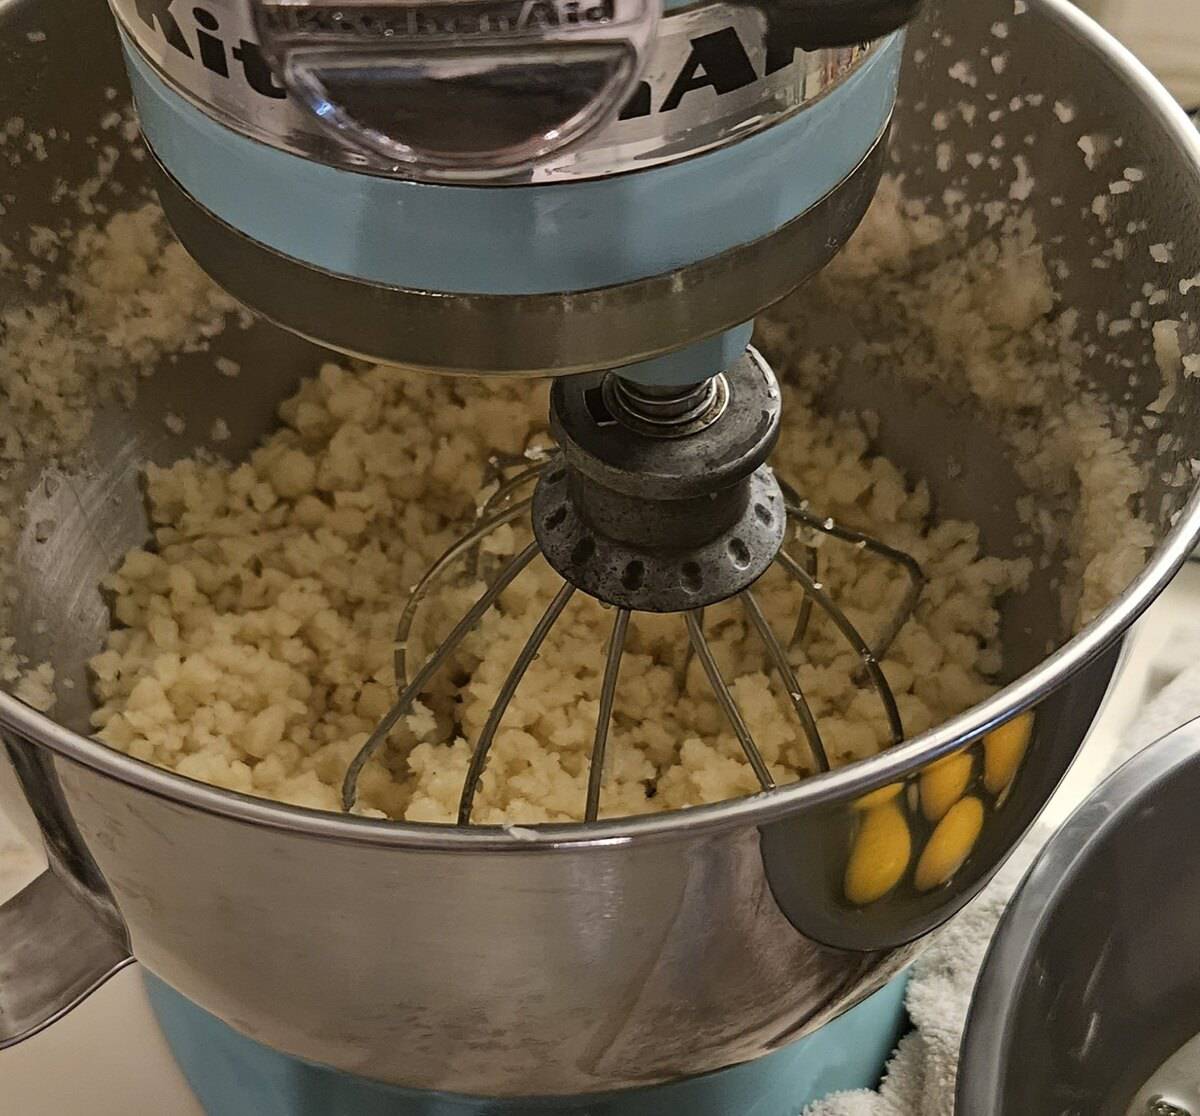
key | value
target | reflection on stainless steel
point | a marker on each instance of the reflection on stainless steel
(1162, 1106)
(1174, 1087)
(380, 80)
(1090, 981)
(563, 959)
(55, 954)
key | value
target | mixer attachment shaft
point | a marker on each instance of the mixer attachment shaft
(658, 500)
(663, 501)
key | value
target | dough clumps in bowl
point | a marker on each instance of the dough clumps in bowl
(253, 639)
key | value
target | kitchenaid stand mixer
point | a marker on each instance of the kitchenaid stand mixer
(592, 145)
(651, 255)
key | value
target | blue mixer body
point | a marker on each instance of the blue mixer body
(233, 1075)
(522, 239)
(564, 237)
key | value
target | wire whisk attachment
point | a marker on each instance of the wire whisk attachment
(507, 504)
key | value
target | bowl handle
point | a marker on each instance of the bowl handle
(54, 953)
(62, 936)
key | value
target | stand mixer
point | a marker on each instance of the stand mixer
(633, 187)
(607, 196)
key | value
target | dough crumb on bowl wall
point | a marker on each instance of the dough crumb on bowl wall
(129, 297)
(982, 318)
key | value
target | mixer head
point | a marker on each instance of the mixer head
(535, 188)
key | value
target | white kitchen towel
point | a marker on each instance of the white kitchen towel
(920, 1076)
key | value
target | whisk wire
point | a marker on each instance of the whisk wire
(806, 606)
(499, 463)
(508, 487)
(725, 699)
(502, 508)
(452, 553)
(429, 668)
(797, 510)
(608, 693)
(852, 636)
(505, 490)
(689, 653)
(504, 698)
(787, 676)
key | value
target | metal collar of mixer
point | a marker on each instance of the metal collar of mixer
(657, 515)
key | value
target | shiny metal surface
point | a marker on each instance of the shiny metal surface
(1173, 1088)
(697, 77)
(1089, 995)
(62, 935)
(55, 955)
(524, 81)
(530, 334)
(569, 959)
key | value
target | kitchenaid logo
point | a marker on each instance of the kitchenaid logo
(159, 17)
(434, 20)
(717, 59)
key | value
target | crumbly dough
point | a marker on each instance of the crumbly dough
(257, 637)
(981, 318)
(253, 640)
(129, 296)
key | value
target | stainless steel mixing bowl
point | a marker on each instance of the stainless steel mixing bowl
(581, 958)
(1091, 985)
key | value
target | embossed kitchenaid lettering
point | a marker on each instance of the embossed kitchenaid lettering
(487, 17)
(158, 17)
(718, 59)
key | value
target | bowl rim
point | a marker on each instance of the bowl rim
(753, 810)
